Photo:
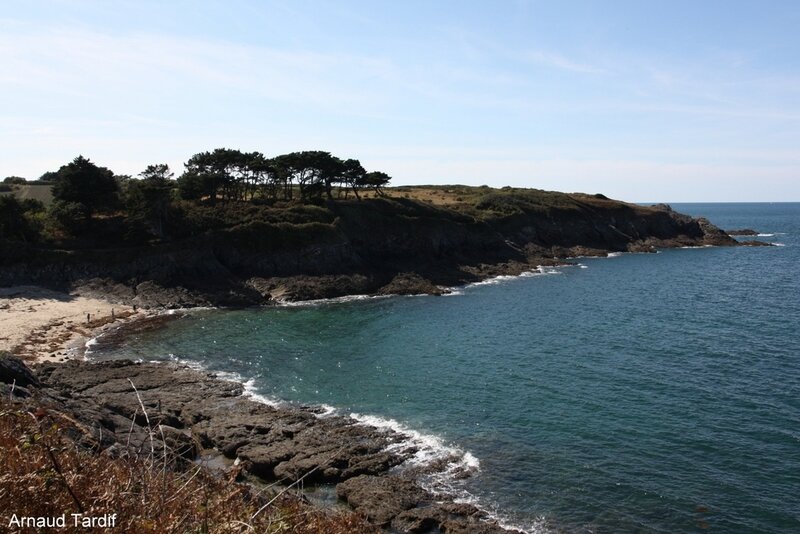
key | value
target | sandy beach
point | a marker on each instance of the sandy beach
(42, 325)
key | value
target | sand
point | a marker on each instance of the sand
(42, 325)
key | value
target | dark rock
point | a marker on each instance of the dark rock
(274, 443)
(189, 411)
(447, 517)
(366, 247)
(410, 284)
(13, 371)
(381, 498)
(755, 243)
(178, 442)
(743, 231)
(713, 235)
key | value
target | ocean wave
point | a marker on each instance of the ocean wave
(431, 449)
(334, 300)
(452, 464)
(441, 466)
(452, 291)
(87, 348)
(539, 271)
(250, 391)
(438, 466)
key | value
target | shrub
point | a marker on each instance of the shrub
(72, 217)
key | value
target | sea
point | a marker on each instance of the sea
(635, 393)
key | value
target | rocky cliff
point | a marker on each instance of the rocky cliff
(399, 245)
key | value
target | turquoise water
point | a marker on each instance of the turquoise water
(646, 392)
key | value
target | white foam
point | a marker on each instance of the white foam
(765, 235)
(87, 348)
(778, 244)
(251, 392)
(540, 525)
(539, 271)
(430, 448)
(328, 410)
(614, 255)
(335, 300)
(458, 463)
(452, 291)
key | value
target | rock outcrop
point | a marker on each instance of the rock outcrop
(347, 247)
(743, 231)
(126, 408)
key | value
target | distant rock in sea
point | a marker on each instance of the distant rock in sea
(743, 231)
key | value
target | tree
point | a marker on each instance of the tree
(71, 217)
(376, 180)
(158, 173)
(315, 172)
(224, 174)
(84, 182)
(202, 178)
(15, 225)
(148, 199)
(49, 176)
(15, 180)
(353, 174)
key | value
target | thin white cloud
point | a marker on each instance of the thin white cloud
(82, 63)
(558, 61)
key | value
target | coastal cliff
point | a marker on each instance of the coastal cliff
(252, 254)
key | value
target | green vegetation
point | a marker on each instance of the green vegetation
(284, 202)
(83, 205)
(83, 182)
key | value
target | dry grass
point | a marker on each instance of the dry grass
(40, 192)
(45, 474)
(452, 196)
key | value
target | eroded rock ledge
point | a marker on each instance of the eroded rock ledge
(200, 415)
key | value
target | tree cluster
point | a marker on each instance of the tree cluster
(231, 175)
(85, 194)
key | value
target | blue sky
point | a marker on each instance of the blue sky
(643, 101)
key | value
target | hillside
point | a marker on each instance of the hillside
(410, 240)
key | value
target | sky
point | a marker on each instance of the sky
(660, 100)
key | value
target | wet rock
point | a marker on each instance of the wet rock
(447, 517)
(410, 284)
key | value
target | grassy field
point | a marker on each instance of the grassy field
(461, 198)
(40, 192)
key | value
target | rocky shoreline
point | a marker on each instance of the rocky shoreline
(206, 419)
(386, 246)
(116, 405)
